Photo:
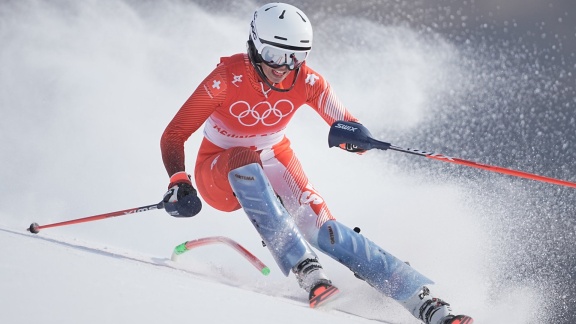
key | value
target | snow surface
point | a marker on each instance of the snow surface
(55, 281)
(87, 89)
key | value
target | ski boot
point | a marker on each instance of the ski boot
(432, 310)
(311, 277)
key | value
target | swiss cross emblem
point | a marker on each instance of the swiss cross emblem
(214, 86)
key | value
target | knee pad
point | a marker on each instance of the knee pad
(383, 271)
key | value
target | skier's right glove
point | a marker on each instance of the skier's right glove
(181, 199)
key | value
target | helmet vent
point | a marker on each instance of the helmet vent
(304, 20)
(282, 15)
(281, 38)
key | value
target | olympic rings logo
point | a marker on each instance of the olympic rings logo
(263, 112)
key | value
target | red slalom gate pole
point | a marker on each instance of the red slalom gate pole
(188, 245)
(35, 228)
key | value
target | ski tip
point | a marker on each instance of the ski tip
(321, 294)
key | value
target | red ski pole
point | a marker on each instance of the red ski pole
(498, 169)
(35, 228)
(493, 168)
(356, 134)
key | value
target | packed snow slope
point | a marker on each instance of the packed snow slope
(50, 281)
(87, 88)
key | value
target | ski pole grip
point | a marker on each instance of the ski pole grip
(354, 133)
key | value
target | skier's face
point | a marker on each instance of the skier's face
(276, 75)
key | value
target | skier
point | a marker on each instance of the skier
(245, 161)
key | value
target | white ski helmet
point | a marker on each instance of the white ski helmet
(280, 35)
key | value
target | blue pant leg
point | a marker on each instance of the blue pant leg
(274, 224)
(380, 269)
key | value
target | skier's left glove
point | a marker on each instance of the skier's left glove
(351, 147)
(181, 199)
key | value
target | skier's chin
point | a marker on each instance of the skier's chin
(275, 75)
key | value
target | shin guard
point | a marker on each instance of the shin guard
(276, 227)
(369, 262)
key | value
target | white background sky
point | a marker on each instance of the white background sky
(86, 90)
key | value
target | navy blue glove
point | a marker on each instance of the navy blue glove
(181, 199)
(351, 147)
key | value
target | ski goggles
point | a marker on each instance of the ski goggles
(276, 57)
